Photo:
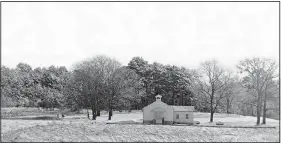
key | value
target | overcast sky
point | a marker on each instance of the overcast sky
(185, 34)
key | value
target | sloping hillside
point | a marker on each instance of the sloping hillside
(79, 128)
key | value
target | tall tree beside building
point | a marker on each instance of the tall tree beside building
(212, 84)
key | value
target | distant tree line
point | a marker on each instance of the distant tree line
(103, 83)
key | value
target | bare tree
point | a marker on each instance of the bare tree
(84, 74)
(110, 83)
(93, 75)
(232, 88)
(259, 71)
(271, 89)
(212, 84)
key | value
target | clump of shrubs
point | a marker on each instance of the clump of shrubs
(219, 123)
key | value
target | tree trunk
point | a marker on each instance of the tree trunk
(98, 109)
(258, 115)
(264, 110)
(88, 115)
(227, 106)
(211, 110)
(211, 117)
(93, 112)
(258, 110)
(212, 113)
(109, 114)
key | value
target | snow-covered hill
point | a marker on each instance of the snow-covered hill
(77, 127)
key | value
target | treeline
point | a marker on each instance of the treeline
(102, 83)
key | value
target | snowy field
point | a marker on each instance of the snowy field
(76, 127)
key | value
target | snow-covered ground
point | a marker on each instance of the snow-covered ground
(231, 119)
(78, 128)
(88, 131)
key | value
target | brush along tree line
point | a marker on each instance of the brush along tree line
(103, 83)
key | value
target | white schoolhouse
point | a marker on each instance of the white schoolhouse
(159, 112)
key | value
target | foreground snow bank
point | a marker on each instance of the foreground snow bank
(88, 131)
(133, 117)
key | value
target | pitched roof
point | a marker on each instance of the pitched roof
(156, 102)
(183, 108)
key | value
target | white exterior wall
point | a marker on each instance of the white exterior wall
(182, 117)
(148, 114)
